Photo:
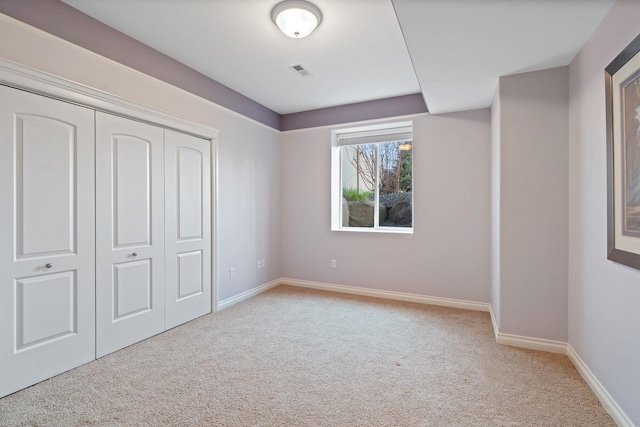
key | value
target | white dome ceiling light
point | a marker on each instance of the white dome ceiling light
(296, 18)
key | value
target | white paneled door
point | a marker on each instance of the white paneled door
(187, 228)
(129, 233)
(47, 276)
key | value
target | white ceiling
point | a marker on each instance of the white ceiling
(460, 47)
(361, 51)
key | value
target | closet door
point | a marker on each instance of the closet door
(129, 234)
(187, 228)
(47, 291)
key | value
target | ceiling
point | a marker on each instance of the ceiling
(461, 47)
(453, 51)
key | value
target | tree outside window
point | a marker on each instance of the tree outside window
(378, 174)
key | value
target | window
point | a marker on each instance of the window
(372, 167)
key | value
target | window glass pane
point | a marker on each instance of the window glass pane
(372, 178)
(395, 184)
(358, 179)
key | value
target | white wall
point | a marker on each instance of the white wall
(448, 255)
(533, 176)
(495, 208)
(604, 319)
(248, 206)
(248, 152)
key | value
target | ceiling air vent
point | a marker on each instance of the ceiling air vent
(298, 68)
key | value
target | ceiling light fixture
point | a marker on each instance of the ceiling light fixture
(296, 18)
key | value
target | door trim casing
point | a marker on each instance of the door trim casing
(36, 81)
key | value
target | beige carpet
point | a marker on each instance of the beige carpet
(297, 357)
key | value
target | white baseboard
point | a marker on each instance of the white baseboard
(531, 343)
(400, 296)
(494, 322)
(609, 404)
(506, 339)
(247, 294)
(603, 395)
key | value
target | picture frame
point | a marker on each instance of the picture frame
(622, 94)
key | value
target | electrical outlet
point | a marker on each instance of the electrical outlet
(264, 264)
(334, 264)
(232, 272)
(259, 264)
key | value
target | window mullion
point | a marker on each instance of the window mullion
(376, 197)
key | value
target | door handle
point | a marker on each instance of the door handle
(48, 265)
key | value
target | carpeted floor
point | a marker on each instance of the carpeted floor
(299, 357)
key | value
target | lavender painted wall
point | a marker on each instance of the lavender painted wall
(533, 185)
(274, 197)
(248, 181)
(248, 206)
(382, 108)
(448, 254)
(604, 318)
(60, 19)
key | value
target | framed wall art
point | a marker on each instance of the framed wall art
(622, 82)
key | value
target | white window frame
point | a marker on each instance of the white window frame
(369, 134)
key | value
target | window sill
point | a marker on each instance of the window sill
(386, 230)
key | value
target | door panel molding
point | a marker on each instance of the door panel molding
(31, 263)
(47, 263)
(53, 294)
(130, 210)
(188, 241)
